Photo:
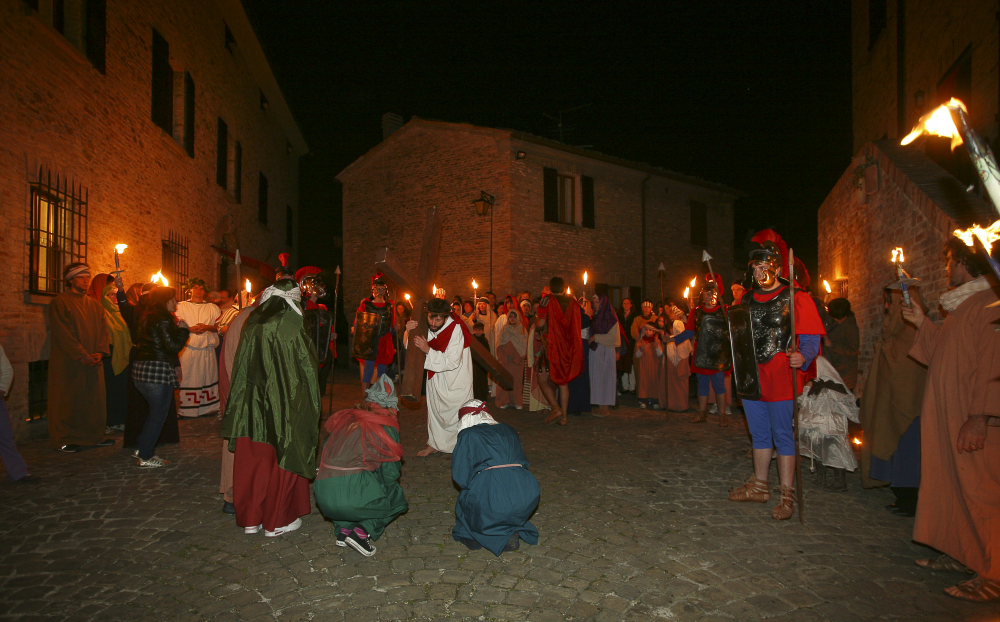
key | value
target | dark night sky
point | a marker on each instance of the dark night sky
(753, 95)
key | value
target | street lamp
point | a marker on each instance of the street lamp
(484, 207)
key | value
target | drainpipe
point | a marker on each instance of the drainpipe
(643, 225)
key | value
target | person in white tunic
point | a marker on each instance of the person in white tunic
(199, 393)
(448, 362)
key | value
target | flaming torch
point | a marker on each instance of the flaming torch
(475, 292)
(119, 249)
(829, 290)
(249, 291)
(951, 121)
(159, 278)
(584, 292)
(904, 280)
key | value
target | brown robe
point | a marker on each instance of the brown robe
(894, 389)
(958, 512)
(650, 378)
(513, 361)
(77, 406)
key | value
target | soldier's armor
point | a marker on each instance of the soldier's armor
(713, 350)
(772, 331)
(385, 311)
(318, 324)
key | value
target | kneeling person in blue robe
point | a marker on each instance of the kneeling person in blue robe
(498, 493)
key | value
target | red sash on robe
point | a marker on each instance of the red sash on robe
(440, 343)
(565, 346)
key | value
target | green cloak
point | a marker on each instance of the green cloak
(274, 387)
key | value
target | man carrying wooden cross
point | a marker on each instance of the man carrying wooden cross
(448, 361)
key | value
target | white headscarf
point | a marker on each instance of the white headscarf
(293, 297)
(476, 416)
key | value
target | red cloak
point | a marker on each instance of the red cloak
(565, 345)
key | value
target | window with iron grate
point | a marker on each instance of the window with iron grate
(58, 230)
(174, 259)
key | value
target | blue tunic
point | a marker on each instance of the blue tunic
(496, 503)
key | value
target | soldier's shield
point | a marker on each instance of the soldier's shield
(367, 327)
(746, 380)
(319, 326)
(714, 351)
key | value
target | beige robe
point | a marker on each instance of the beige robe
(650, 377)
(959, 508)
(77, 413)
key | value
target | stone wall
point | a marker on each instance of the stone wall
(60, 113)
(858, 228)
(936, 35)
(431, 163)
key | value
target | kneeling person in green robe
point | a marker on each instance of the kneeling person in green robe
(357, 485)
(498, 494)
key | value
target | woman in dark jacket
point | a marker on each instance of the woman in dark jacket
(156, 368)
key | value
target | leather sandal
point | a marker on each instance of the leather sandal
(786, 506)
(700, 416)
(976, 590)
(754, 490)
(944, 563)
(723, 421)
(564, 420)
(555, 414)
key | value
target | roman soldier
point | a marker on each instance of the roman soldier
(373, 330)
(317, 320)
(764, 378)
(708, 325)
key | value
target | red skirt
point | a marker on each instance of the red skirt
(263, 492)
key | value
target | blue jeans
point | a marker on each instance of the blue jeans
(158, 397)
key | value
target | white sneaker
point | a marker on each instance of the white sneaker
(153, 463)
(252, 530)
(295, 524)
(729, 410)
(713, 408)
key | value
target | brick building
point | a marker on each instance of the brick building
(557, 210)
(908, 58)
(158, 125)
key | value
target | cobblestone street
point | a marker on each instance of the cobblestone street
(634, 525)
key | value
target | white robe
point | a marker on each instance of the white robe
(199, 394)
(448, 390)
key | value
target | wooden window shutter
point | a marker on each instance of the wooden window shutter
(635, 295)
(188, 114)
(551, 177)
(222, 154)
(587, 200)
(163, 85)
(96, 32)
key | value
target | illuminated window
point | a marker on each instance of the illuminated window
(58, 233)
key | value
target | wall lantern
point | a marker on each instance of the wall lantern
(484, 204)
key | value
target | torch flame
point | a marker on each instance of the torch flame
(693, 281)
(249, 287)
(987, 236)
(898, 252)
(435, 289)
(407, 296)
(120, 248)
(584, 277)
(568, 291)
(159, 278)
(856, 440)
(826, 284)
(939, 123)
(687, 290)
(474, 284)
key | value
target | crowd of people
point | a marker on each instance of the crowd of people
(134, 359)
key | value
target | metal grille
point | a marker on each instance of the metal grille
(38, 389)
(174, 259)
(58, 234)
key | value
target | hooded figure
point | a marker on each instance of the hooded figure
(497, 493)
(272, 414)
(357, 485)
(825, 407)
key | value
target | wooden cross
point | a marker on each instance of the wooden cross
(421, 286)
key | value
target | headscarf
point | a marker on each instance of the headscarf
(77, 271)
(383, 393)
(474, 413)
(121, 338)
(515, 333)
(604, 318)
(677, 353)
(97, 286)
(133, 293)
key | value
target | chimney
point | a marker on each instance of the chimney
(390, 123)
